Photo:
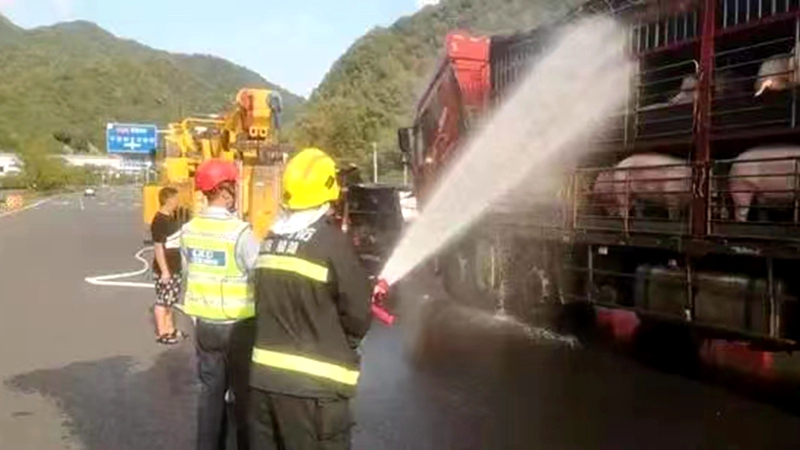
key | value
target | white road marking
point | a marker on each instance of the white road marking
(24, 208)
(105, 280)
(81, 201)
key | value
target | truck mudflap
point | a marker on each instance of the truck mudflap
(624, 327)
(621, 325)
(740, 357)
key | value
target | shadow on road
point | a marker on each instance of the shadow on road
(113, 404)
(476, 383)
(472, 383)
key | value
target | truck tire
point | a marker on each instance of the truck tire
(506, 276)
(668, 347)
(472, 273)
(532, 286)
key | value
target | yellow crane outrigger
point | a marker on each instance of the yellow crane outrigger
(248, 135)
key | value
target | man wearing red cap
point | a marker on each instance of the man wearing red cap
(220, 251)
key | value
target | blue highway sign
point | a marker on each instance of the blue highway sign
(131, 138)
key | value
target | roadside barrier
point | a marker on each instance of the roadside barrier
(14, 202)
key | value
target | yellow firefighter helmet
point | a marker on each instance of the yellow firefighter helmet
(309, 180)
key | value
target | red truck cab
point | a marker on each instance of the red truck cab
(459, 88)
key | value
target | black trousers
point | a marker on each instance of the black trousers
(282, 422)
(223, 363)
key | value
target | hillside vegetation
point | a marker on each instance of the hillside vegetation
(371, 89)
(70, 79)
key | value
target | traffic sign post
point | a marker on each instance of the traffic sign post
(131, 138)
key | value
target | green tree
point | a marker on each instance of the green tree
(65, 82)
(45, 173)
(371, 90)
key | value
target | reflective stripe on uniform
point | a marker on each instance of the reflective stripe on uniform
(228, 311)
(231, 291)
(235, 295)
(305, 365)
(206, 287)
(295, 265)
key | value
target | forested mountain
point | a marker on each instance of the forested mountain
(371, 89)
(71, 78)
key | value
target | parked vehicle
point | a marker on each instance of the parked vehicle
(691, 233)
(372, 217)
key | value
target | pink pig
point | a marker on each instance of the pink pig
(750, 180)
(777, 73)
(636, 178)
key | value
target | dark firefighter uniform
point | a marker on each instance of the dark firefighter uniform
(312, 310)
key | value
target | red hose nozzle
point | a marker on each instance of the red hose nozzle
(379, 294)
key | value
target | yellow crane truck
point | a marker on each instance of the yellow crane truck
(246, 134)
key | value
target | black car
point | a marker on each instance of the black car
(372, 217)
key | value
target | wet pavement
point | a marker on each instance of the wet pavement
(84, 372)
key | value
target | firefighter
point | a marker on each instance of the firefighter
(312, 310)
(220, 251)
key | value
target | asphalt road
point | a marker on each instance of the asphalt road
(80, 369)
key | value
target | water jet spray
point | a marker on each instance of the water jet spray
(538, 134)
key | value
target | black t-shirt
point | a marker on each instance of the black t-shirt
(166, 230)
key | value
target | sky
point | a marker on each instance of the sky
(289, 42)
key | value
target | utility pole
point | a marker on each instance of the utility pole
(375, 162)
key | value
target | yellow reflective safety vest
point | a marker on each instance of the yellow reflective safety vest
(216, 287)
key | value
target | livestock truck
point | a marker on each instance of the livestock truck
(688, 214)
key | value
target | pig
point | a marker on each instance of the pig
(776, 73)
(687, 94)
(633, 180)
(750, 180)
(603, 192)
(688, 91)
(723, 84)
